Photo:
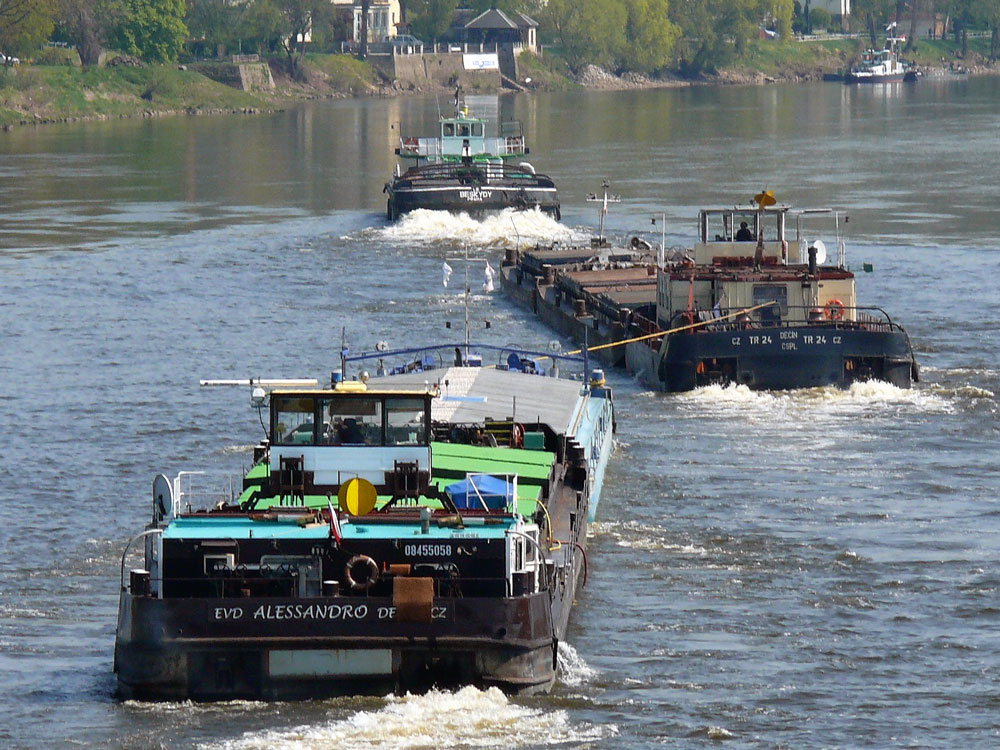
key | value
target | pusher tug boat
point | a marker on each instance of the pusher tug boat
(465, 170)
(423, 528)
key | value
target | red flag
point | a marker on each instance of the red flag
(334, 522)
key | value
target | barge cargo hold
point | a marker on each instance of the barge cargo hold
(426, 529)
(756, 305)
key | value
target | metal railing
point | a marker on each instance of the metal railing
(715, 319)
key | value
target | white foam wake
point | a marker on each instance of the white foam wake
(573, 670)
(508, 228)
(467, 718)
(868, 396)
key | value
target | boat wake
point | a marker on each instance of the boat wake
(469, 718)
(636, 535)
(868, 396)
(509, 228)
(573, 670)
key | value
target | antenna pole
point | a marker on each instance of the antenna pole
(343, 353)
(663, 239)
(467, 290)
(604, 201)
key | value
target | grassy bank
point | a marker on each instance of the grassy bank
(59, 93)
(38, 93)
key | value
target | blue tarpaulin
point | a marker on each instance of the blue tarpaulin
(495, 492)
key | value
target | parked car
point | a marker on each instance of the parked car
(404, 40)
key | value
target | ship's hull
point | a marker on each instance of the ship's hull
(212, 649)
(449, 188)
(785, 357)
(856, 77)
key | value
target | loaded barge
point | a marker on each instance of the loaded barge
(755, 302)
(463, 169)
(426, 528)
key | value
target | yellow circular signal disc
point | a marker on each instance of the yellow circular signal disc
(357, 496)
(765, 198)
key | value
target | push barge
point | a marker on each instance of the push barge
(754, 303)
(463, 169)
(426, 528)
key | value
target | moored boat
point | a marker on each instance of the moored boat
(751, 303)
(425, 528)
(463, 169)
(882, 66)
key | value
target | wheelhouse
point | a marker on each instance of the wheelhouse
(321, 439)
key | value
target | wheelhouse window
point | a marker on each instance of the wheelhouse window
(293, 420)
(777, 293)
(351, 421)
(477, 129)
(406, 422)
(448, 129)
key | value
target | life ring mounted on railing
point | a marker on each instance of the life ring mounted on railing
(370, 567)
(834, 310)
(410, 144)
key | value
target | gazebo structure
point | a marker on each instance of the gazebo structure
(494, 27)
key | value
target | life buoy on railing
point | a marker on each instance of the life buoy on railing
(834, 310)
(410, 144)
(361, 584)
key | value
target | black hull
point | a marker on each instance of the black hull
(472, 202)
(470, 188)
(778, 358)
(784, 358)
(200, 649)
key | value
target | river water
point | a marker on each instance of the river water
(808, 569)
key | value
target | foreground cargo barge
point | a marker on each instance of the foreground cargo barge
(392, 536)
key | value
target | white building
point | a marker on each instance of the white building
(836, 7)
(383, 15)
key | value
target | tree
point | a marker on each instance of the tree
(650, 36)
(87, 25)
(152, 29)
(988, 12)
(212, 23)
(260, 27)
(365, 7)
(25, 25)
(430, 19)
(589, 31)
(297, 19)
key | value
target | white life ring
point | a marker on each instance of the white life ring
(362, 584)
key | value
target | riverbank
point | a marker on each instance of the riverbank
(37, 94)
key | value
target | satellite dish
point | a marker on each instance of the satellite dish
(163, 498)
(820, 252)
(357, 496)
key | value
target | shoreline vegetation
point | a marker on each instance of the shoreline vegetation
(125, 88)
